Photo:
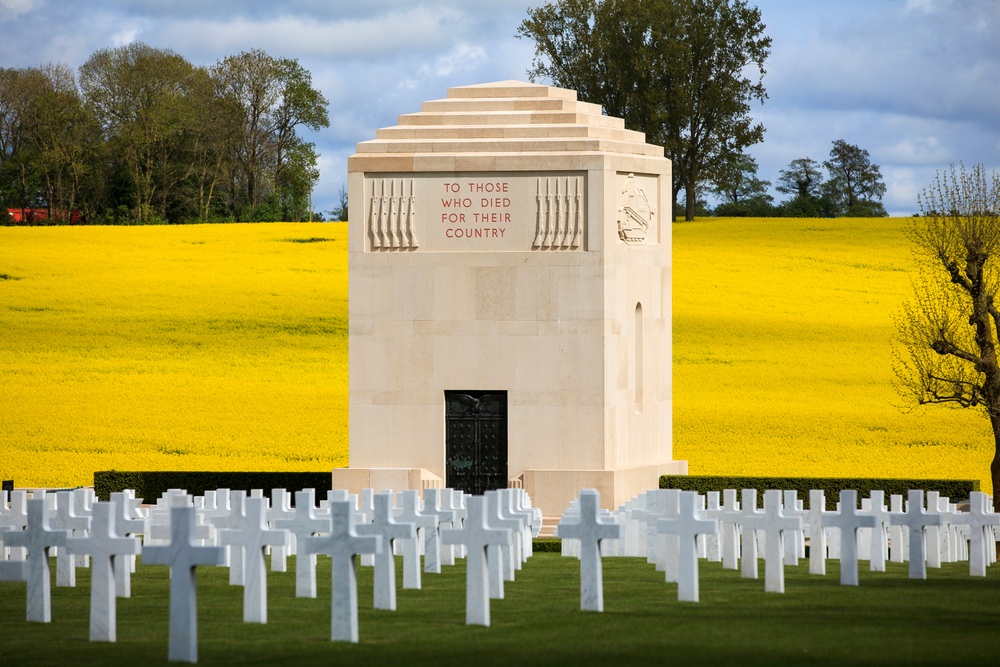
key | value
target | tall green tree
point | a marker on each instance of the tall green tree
(137, 93)
(855, 187)
(682, 71)
(21, 184)
(65, 136)
(803, 180)
(272, 97)
(48, 140)
(742, 193)
(211, 124)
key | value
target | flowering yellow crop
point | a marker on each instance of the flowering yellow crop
(207, 347)
(224, 347)
(782, 355)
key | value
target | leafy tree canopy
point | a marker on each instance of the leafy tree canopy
(682, 71)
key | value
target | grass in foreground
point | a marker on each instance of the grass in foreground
(889, 620)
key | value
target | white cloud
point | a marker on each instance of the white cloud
(462, 59)
(124, 37)
(17, 7)
(413, 30)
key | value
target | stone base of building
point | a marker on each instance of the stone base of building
(550, 490)
(382, 479)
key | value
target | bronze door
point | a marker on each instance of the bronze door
(476, 440)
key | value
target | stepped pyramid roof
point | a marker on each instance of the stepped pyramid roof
(501, 118)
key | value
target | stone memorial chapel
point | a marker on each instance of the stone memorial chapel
(510, 299)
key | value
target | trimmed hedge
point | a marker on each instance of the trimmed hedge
(151, 485)
(546, 545)
(955, 489)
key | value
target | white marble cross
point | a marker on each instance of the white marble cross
(774, 524)
(897, 532)
(590, 529)
(220, 507)
(880, 532)
(743, 516)
(661, 548)
(848, 520)
(105, 545)
(794, 540)
(454, 501)
(341, 545)
(505, 554)
(980, 519)
(83, 502)
(126, 524)
(38, 539)
(713, 510)
(817, 531)
(687, 526)
(252, 539)
(476, 536)
(14, 516)
(432, 538)
(304, 523)
(64, 517)
(936, 536)
(183, 556)
(523, 503)
(365, 510)
(233, 520)
(524, 514)
(281, 508)
(389, 530)
(516, 522)
(159, 515)
(730, 529)
(916, 520)
(409, 512)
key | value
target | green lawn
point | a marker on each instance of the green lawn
(948, 619)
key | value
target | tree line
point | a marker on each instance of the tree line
(139, 135)
(854, 187)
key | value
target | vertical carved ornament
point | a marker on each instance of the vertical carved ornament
(635, 216)
(558, 213)
(391, 208)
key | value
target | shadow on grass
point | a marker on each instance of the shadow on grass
(889, 619)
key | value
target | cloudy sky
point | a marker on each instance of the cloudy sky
(915, 82)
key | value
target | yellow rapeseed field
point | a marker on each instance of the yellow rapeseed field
(206, 347)
(782, 355)
(224, 347)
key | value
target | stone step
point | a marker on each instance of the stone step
(509, 118)
(510, 89)
(500, 146)
(502, 132)
(511, 104)
(549, 524)
(501, 104)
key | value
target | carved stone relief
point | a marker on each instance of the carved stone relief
(559, 213)
(391, 209)
(636, 217)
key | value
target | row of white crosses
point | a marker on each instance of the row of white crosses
(679, 526)
(226, 527)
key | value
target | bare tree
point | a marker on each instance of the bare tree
(950, 330)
